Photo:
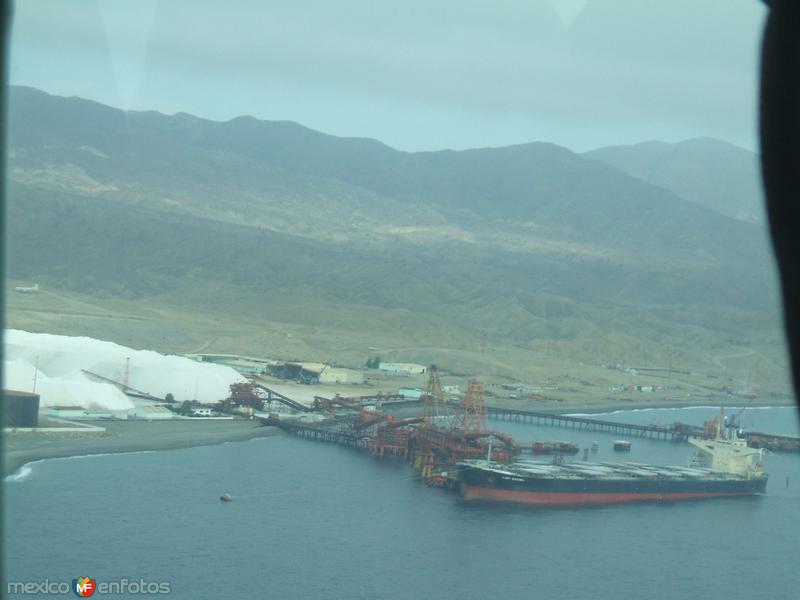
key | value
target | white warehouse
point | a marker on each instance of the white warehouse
(411, 368)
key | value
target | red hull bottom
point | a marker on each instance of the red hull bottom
(554, 498)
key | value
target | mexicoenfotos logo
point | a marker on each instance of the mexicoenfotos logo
(84, 586)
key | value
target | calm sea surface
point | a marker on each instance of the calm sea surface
(312, 520)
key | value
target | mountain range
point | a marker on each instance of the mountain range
(707, 171)
(658, 245)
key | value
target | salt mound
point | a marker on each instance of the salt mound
(60, 379)
(74, 389)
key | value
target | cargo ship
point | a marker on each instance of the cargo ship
(724, 466)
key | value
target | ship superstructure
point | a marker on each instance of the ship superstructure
(727, 452)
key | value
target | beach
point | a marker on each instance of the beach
(126, 436)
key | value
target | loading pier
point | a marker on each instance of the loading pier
(774, 442)
(334, 435)
(675, 432)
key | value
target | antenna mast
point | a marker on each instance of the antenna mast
(471, 419)
(434, 404)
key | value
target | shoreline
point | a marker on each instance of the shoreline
(600, 408)
(122, 437)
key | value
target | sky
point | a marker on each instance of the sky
(417, 75)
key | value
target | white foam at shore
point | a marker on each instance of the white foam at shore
(61, 359)
(22, 474)
(25, 471)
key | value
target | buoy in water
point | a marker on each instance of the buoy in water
(226, 497)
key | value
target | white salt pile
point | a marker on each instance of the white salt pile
(60, 379)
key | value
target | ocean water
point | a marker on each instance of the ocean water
(311, 520)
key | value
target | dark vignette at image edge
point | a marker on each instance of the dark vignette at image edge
(5, 38)
(779, 119)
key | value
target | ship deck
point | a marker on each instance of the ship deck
(592, 470)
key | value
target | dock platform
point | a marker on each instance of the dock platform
(656, 432)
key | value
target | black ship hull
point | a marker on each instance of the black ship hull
(478, 484)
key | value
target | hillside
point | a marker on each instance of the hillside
(707, 171)
(525, 247)
(283, 176)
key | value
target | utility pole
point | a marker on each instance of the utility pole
(35, 373)
(669, 373)
(127, 374)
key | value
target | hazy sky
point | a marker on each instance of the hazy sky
(415, 74)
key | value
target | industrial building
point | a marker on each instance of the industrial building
(246, 365)
(313, 372)
(151, 413)
(74, 411)
(408, 368)
(21, 408)
(339, 375)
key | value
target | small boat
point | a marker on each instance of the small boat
(622, 446)
(554, 448)
(226, 497)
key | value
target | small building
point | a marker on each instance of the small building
(408, 368)
(21, 408)
(150, 413)
(66, 411)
